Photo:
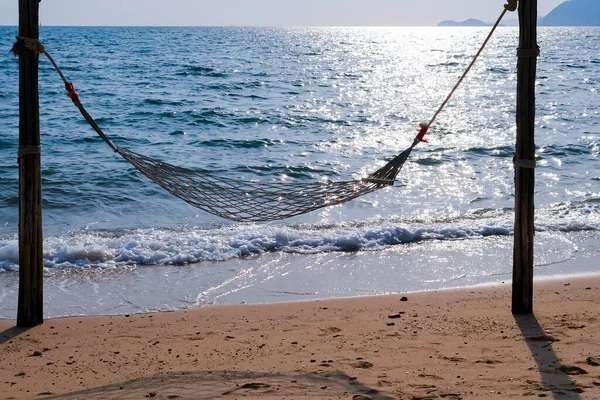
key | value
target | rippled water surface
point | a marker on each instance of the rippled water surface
(297, 104)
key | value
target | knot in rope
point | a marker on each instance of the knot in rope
(34, 47)
(71, 93)
(28, 47)
(511, 5)
(421, 135)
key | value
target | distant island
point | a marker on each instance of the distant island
(574, 13)
(569, 13)
(468, 22)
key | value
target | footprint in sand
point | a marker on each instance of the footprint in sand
(572, 370)
(593, 361)
(255, 385)
(363, 365)
(488, 361)
(454, 359)
(329, 330)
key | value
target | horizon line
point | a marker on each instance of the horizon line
(262, 26)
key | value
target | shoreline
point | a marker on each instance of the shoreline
(281, 277)
(505, 285)
(458, 343)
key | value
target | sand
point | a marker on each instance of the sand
(451, 344)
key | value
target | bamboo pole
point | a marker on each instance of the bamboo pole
(30, 309)
(522, 289)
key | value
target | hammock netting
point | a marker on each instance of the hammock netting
(254, 201)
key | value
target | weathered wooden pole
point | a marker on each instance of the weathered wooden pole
(31, 277)
(522, 295)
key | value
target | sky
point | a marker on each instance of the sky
(262, 12)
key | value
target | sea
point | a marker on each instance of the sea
(298, 105)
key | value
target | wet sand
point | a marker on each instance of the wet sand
(451, 344)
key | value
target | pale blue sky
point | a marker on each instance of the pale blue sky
(261, 12)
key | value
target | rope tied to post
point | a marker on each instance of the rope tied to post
(511, 5)
(33, 47)
(27, 47)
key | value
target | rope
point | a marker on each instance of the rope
(74, 96)
(510, 6)
(33, 47)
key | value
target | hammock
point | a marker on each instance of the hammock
(239, 200)
(251, 201)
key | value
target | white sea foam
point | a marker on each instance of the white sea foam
(180, 246)
(9, 254)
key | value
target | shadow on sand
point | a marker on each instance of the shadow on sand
(555, 377)
(230, 385)
(11, 333)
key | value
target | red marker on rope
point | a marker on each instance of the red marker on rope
(421, 135)
(71, 92)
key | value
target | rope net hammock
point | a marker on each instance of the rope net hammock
(252, 201)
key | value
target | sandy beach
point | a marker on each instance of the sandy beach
(451, 344)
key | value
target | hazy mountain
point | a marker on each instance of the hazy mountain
(468, 22)
(574, 13)
(569, 13)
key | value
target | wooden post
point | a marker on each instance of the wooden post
(31, 277)
(522, 295)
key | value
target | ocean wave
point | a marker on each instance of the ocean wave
(89, 249)
(289, 171)
(565, 150)
(245, 96)
(497, 151)
(202, 71)
(444, 64)
(161, 101)
(242, 144)
(9, 200)
(189, 245)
